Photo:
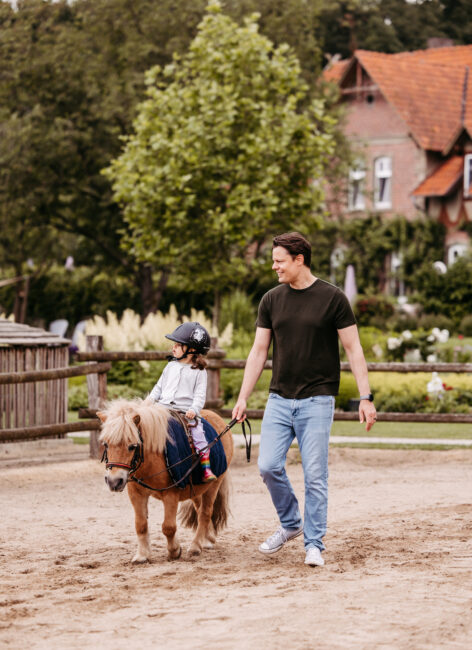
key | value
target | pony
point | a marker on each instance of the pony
(134, 435)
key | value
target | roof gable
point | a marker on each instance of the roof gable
(427, 88)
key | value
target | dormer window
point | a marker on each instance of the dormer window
(356, 189)
(468, 175)
(383, 183)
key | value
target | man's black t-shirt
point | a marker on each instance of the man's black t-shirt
(304, 324)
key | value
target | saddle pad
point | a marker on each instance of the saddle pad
(178, 448)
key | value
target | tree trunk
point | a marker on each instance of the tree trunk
(21, 300)
(150, 296)
(216, 308)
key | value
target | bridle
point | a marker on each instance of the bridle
(138, 457)
(136, 461)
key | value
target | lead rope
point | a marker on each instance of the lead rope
(194, 465)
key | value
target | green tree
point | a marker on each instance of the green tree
(221, 155)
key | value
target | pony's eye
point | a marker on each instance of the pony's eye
(132, 447)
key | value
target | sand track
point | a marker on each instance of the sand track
(398, 568)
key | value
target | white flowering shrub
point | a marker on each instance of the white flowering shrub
(415, 347)
(129, 334)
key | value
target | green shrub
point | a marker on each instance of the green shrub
(465, 326)
(347, 390)
(238, 309)
(401, 322)
(368, 307)
(442, 322)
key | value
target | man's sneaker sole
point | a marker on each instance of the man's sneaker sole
(271, 551)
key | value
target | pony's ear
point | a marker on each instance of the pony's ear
(137, 419)
(102, 415)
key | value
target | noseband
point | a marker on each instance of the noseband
(136, 461)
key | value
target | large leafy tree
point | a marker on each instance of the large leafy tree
(222, 155)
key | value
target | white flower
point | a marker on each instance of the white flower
(431, 358)
(406, 335)
(393, 343)
(435, 386)
(443, 336)
(377, 350)
(431, 338)
(412, 356)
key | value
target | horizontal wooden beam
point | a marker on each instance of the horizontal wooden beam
(217, 360)
(53, 373)
(47, 430)
(257, 414)
(142, 355)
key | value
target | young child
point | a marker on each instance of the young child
(182, 385)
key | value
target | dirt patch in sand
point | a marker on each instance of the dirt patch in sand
(398, 570)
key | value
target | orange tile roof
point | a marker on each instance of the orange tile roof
(427, 95)
(426, 88)
(334, 71)
(443, 179)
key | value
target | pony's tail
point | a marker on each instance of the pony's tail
(188, 514)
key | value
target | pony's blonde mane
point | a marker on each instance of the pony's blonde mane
(119, 426)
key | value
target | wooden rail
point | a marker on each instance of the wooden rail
(217, 360)
(53, 373)
(47, 430)
(101, 362)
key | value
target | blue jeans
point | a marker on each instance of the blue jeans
(309, 420)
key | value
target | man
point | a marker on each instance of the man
(303, 316)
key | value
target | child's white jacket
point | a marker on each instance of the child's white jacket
(181, 387)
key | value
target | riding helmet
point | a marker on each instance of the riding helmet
(192, 334)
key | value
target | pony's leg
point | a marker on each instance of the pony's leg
(204, 530)
(140, 505)
(169, 525)
(210, 536)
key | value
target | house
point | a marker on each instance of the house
(409, 117)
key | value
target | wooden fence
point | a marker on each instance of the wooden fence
(99, 362)
(217, 361)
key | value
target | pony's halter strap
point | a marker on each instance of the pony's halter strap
(136, 461)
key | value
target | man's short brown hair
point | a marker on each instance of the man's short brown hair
(295, 244)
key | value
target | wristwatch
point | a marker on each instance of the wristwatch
(370, 397)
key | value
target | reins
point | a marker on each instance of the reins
(138, 458)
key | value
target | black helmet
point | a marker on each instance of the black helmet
(192, 334)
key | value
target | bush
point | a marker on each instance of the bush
(238, 309)
(442, 322)
(465, 326)
(450, 293)
(401, 322)
(368, 307)
(347, 391)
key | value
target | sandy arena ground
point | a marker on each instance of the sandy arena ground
(398, 570)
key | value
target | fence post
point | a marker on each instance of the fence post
(213, 399)
(97, 392)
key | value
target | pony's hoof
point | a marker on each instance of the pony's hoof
(208, 543)
(139, 559)
(174, 555)
(194, 551)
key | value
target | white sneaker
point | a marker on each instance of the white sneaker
(275, 542)
(313, 557)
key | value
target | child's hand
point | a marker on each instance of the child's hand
(190, 415)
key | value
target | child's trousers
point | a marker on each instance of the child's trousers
(198, 436)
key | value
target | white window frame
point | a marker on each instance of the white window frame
(383, 183)
(467, 174)
(356, 198)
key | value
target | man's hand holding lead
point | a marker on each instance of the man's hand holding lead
(239, 410)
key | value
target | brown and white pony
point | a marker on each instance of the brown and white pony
(134, 434)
